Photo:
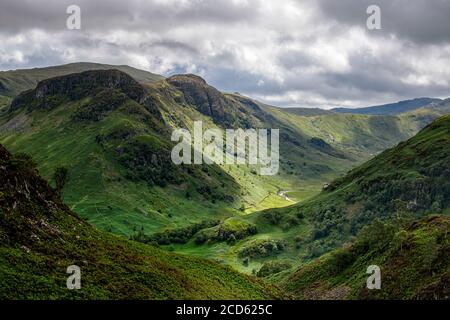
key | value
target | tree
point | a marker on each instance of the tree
(61, 177)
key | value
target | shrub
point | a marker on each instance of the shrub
(340, 260)
(274, 217)
(24, 162)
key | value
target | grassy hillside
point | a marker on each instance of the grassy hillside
(413, 260)
(15, 81)
(307, 112)
(410, 180)
(41, 237)
(111, 138)
(4, 103)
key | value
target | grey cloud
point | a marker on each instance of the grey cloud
(171, 45)
(20, 15)
(294, 59)
(421, 21)
(246, 46)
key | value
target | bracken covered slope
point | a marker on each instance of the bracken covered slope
(414, 262)
(40, 237)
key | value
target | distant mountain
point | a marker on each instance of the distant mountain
(4, 103)
(40, 238)
(308, 111)
(15, 81)
(391, 108)
(442, 106)
(366, 135)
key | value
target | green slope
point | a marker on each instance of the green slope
(116, 146)
(307, 111)
(15, 81)
(41, 237)
(4, 103)
(413, 259)
(408, 181)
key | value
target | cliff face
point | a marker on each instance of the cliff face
(227, 111)
(78, 85)
(198, 93)
(89, 81)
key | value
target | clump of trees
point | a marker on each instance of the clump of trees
(172, 236)
(262, 248)
(150, 162)
(229, 231)
(100, 105)
(225, 233)
(273, 217)
(286, 221)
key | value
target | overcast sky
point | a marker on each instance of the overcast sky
(286, 53)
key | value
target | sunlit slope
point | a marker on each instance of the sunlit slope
(406, 182)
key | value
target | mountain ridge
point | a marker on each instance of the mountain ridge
(13, 82)
(391, 108)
